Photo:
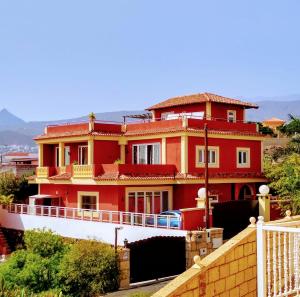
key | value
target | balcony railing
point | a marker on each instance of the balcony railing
(83, 171)
(42, 172)
(103, 216)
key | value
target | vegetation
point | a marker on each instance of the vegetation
(266, 130)
(51, 266)
(6, 199)
(292, 127)
(89, 268)
(16, 187)
(141, 294)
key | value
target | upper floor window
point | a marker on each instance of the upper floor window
(243, 157)
(166, 115)
(67, 155)
(56, 156)
(146, 153)
(231, 116)
(82, 154)
(213, 156)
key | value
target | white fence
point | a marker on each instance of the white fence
(103, 216)
(278, 260)
(82, 224)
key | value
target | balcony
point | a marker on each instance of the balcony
(192, 123)
(102, 170)
(83, 171)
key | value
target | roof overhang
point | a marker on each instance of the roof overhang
(42, 196)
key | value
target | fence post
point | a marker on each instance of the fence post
(261, 258)
(121, 217)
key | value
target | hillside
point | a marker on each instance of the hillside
(14, 130)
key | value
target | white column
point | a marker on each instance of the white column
(184, 154)
(261, 259)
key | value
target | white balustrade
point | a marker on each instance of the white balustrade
(116, 217)
(278, 260)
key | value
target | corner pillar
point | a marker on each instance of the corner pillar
(164, 151)
(41, 155)
(184, 154)
(90, 151)
(61, 149)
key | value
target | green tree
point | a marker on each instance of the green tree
(18, 187)
(90, 268)
(35, 269)
(285, 179)
(292, 127)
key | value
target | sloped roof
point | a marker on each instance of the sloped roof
(273, 120)
(199, 98)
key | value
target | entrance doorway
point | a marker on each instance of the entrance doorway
(245, 193)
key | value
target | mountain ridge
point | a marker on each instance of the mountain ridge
(22, 132)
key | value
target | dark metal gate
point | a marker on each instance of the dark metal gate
(156, 257)
(234, 216)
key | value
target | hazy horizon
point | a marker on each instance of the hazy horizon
(65, 59)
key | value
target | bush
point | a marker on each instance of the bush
(35, 269)
(88, 269)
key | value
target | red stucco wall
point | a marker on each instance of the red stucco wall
(173, 151)
(106, 152)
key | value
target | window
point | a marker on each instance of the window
(148, 201)
(166, 115)
(67, 155)
(89, 202)
(146, 153)
(82, 154)
(231, 116)
(56, 156)
(213, 156)
(243, 157)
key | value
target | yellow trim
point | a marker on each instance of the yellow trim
(89, 181)
(41, 155)
(90, 152)
(82, 171)
(210, 165)
(149, 189)
(208, 110)
(163, 150)
(244, 115)
(122, 153)
(84, 193)
(243, 149)
(184, 154)
(61, 152)
(234, 113)
(152, 136)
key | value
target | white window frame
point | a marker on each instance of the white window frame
(231, 116)
(145, 190)
(164, 115)
(201, 149)
(146, 152)
(247, 162)
(65, 150)
(57, 156)
(80, 154)
(214, 198)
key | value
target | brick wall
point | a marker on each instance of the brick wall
(228, 271)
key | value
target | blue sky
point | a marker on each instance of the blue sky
(61, 59)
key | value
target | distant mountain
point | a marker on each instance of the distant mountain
(14, 130)
(8, 120)
(278, 109)
(15, 138)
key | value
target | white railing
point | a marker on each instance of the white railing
(278, 260)
(103, 216)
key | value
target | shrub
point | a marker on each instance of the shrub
(35, 269)
(88, 269)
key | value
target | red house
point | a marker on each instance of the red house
(149, 167)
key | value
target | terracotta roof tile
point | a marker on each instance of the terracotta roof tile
(63, 176)
(199, 98)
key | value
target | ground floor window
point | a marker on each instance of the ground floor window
(146, 201)
(88, 200)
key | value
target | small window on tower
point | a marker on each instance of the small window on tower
(231, 116)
